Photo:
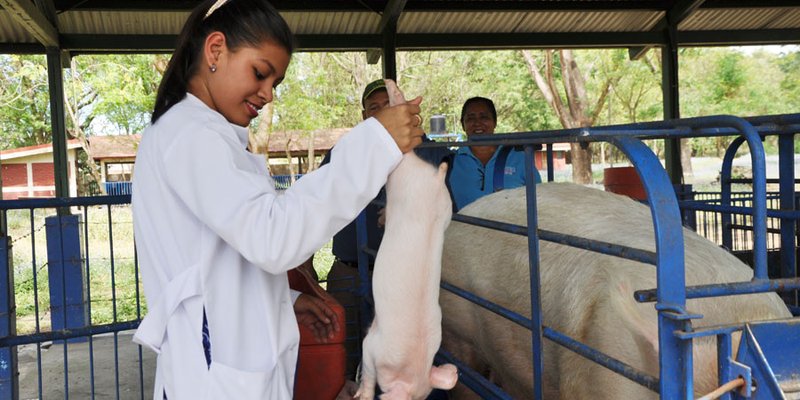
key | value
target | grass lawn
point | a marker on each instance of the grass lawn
(114, 287)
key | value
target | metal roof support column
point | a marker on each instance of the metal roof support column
(390, 51)
(669, 89)
(388, 29)
(787, 203)
(57, 120)
(3, 223)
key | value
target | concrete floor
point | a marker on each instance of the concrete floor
(79, 385)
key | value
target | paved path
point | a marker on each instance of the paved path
(132, 383)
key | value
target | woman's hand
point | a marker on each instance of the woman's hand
(317, 316)
(403, 123)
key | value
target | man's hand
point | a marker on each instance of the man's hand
(401, 118)
(317, 316)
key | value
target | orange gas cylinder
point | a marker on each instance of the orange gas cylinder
(320, 367)
(624, 180)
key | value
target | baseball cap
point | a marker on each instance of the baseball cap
(371, 88)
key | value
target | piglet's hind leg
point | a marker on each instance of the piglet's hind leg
(444, 376)
(398, 391)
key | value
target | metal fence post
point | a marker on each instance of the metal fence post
(68, 300)
(9, 373)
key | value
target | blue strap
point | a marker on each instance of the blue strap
(500, 167)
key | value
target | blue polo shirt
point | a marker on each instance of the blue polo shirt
(470, 179)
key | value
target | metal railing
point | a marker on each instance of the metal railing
(72, 296)
(118, 188)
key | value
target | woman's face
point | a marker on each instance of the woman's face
(478, 119)
(245, 80)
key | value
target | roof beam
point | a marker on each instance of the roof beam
(739, 38)
(681, 10)
(391, 13)
(373, 5)
(48, 9)
(188, 5)
(27, 15)
(389, 18)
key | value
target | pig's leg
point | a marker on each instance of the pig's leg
(397, 391)
(464, 352)
(366, 389)
(444, 376)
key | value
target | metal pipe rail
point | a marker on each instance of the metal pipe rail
(79, 267)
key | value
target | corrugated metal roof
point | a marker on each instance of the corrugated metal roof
(788, 19)
(318, 23)
(602, 21)
(121, 23)
(12, 32)
(458, 22)
(742, 19)
(326, 19)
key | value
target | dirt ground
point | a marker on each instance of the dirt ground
(81, 359)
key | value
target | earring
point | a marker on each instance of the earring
(213, 68)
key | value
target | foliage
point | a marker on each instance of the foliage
(24, 107)
(727, 81)
(111, 94)
(114, 94)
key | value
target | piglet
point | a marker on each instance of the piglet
(399, 348)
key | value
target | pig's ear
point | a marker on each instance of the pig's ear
(642, 327)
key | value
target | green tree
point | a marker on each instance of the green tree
(113, 94)
(24, 107)
(789, 65)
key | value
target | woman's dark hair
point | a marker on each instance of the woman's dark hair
(243, 22)
(489, 105)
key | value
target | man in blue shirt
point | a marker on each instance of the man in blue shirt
(481, 170)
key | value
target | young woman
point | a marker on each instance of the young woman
(213, 238)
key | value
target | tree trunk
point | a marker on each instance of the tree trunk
(576, 113)
(686, 160)
(259, 140)
(312, 161)
(289, 159)
(94, 170)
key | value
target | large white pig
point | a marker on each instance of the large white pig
(406, 332)
(405, 335)
(585, 295)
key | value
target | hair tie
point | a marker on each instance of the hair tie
(217, 4)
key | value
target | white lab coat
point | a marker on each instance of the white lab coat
(211, 231)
